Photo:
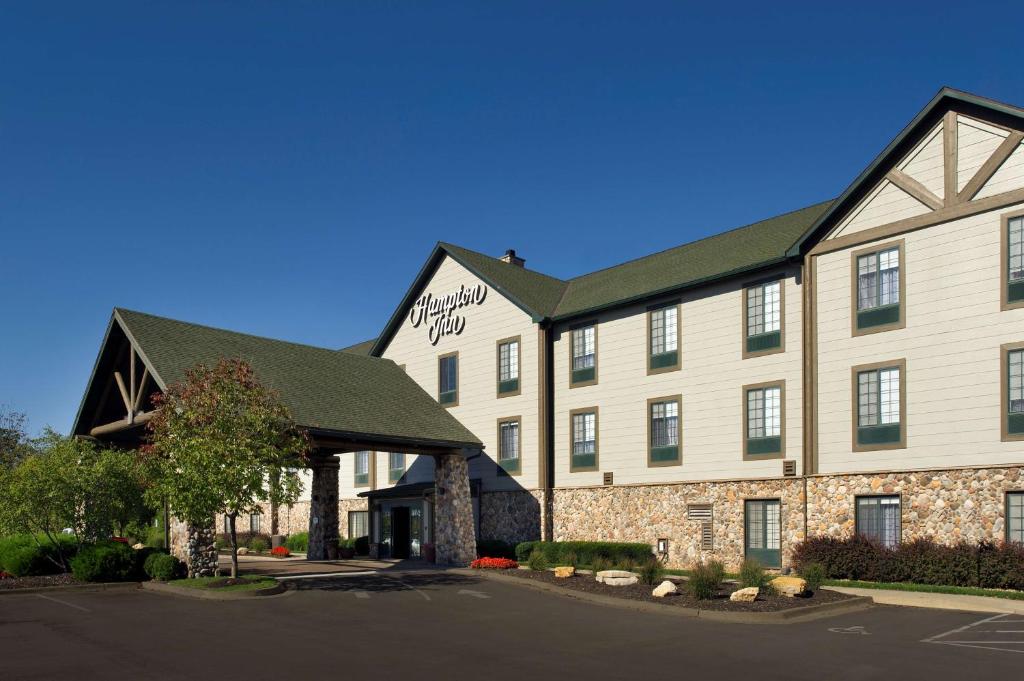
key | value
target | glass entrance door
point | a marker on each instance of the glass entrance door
(762, 530)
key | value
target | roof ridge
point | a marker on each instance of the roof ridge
(447, 244)
(697, 241)
(222, 330)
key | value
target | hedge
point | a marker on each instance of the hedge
(584, 552)
(163, 567)
(495, 548)
(244, 538)
(298, 542)
(987, 565)
(22, 556)
(107, 562)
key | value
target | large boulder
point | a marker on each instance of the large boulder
(664, 589)
(789, 586)
(747, 595)
(616, 577)
(564, 571)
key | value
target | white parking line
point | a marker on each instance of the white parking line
(973, 636)
(327, 574)
(361, 594)
(57, 600)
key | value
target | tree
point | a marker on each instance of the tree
(71, 483)
(222, 443)
(14, 443)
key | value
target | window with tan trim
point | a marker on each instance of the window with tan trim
(509, 359)
(663, 333)
(1012, 267)
(396, 466)
(583, 431)
(363, 469)
(583, 355)
(1012, 389)
(763, 310)
(509, 445)
(764, 421)
(879, 406)
(664, 431)
(448, 379)
(879, 289)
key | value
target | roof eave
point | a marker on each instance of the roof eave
(398, 441)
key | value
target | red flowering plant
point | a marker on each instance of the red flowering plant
(6, 575)
(493, 564)
(280, 552)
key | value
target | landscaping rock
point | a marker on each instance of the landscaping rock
(243, 551)
(563, 572)
(748, 595)
(789, 586)
(664, 589)
(616, 577)
(139, 546)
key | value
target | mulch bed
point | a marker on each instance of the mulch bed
(641, 592)
(11, 583)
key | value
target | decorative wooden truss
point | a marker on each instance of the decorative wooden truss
(132, 396)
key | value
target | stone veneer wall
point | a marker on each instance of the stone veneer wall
(512, 516)
(194, 546)
(943, 505)
(295, 518)
(454, 529)
(646, 513)
(344, 506)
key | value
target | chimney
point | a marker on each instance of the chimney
(511, 258)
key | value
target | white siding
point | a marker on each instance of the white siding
(954, 328)
(976, 140)
(926, 162)
(710, 381)
(1009, 176)
(886, 203)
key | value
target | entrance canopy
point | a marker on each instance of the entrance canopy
(346, 401)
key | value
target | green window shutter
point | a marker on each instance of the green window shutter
(763, 445)
(764, 341)
(664, 359)
(584, 461)
(1015, 292)
(583, 375)
(878, 316)
(362, 479)
(1015, 424)
(665, 454)
(877, 435)
(448, 397)
(509, 386)
(509, 465)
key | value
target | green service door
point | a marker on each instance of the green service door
(762, 531)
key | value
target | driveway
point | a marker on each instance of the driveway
(439, 625)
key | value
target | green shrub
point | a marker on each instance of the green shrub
(344, 543)
(298, 542)
(651, 572)
(362, 546)
(163, 567)
(244, 539)
(105, 562)
(600, 564)
(257, 544)
(586, 551)
(706, 579)
(537, 561)
(27, 556)
(495, 548)
(221, 543)
(752, 573)
(814, 575)
(571, 559)
(155, 538)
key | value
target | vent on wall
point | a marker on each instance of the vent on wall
(789, 468)
(707, 540)
(698, 511)
(609, 479)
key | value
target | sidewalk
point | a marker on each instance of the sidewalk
(917, 599)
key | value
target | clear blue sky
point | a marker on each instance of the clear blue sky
(284, 169)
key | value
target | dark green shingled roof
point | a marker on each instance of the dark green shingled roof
(536, 292)
(325, 389)
(360, 348)
(721, 255)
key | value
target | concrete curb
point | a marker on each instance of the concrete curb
(803, 614)
(212, 594)
(100, 586)
(936, 601)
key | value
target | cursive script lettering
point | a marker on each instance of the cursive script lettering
(438, 312)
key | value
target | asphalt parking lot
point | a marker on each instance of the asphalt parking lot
(438, 625)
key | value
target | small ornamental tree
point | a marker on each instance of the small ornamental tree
(222, 443)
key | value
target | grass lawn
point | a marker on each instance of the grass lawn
(249, 583)
(928, 588)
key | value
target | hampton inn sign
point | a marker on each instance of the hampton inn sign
(439, 312)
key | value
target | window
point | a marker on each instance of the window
(448, 379)
(1013, 391)
(362, 477)
(763, 319)
(227, 524)
(663, 431)
(879, 395)
(762, 531)
(584, 356)
(508, 367)
(358, 525)
(1013, 261)
(878, 289)
(396, 466)
(764, 409)
(663, 338)
(1015, 517)
(254, 522)
(509, 445)
(583, 424)
(878, 518)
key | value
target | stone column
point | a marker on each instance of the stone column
(194, 545)
(323, 510)
(454, 529)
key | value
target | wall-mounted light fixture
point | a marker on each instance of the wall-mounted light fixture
(663, 547)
